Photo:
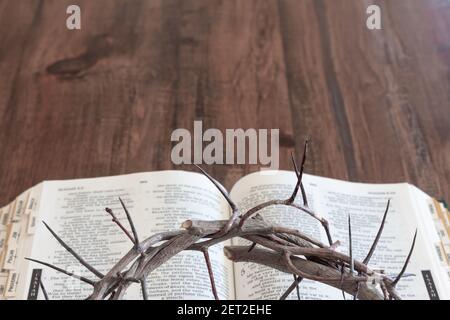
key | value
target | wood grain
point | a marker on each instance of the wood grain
(104, 100)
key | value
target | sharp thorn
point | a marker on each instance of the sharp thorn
(394, 283)
(130, 221)
(225, 194)
(73, 253)
(378, 236)
(350, 248)
(70, 274)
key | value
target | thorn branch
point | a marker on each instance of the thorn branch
(74, 254)
(120, 225)
(397, 279)
(130, 221)
(70, 274)
(211, 273)
(377, 237)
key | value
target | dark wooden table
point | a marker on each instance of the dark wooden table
(104, 100)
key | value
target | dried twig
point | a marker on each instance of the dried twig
(298, 173)
(275, 260)
(252, 246)
(377, 237)
(144, 289)
(384, 290)
(74, 254)
(120, 225)
(211, 273)
(234, 209)
(394, 283)
(294, 285)
(342, 280)
(130, 221)
(350, 249)
(305, 199)
(297, 279)
(222, 191)
(70, 274)
(44, 292)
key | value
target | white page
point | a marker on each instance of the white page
(16, 230)
(158, 201)
(335, 200)
(436, 229)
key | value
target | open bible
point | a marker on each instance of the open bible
(161, 201)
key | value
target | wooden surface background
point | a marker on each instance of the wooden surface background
(104, 100)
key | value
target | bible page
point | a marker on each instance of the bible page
(17, 224)
(335, 200)
(157, 202)
(434, 218)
